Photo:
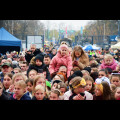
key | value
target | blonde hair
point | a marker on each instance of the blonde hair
(21, 83)
(85, 71)
(108, 56)
(32, 70)
(39, 87)
(19, 70)
(41, 76)
(19, 74)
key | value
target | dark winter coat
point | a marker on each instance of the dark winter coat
(28, 57)
(35, 67)
(24, 97)
(4, 96)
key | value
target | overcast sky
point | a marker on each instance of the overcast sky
(71, 24)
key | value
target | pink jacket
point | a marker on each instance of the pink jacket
(112, 66)
(58, 61)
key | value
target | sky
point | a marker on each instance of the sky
(62, 24)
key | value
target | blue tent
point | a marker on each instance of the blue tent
(8, 42)
(7, 39)
(88, 47)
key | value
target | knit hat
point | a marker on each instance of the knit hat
(64, 46)
(78, 73)
(88, 69)
(39, 57)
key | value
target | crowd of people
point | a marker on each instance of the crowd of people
(60, 74)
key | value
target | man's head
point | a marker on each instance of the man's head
(23, 66)
(32, 47)
(63, 69)
(47, 60)
(6, 68)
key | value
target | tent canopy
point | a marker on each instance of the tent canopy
(8, 42)
(91, 47)
(116, 45)
(7, 39)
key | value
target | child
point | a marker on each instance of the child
(85, 73)
(40, 80)
(38, 65)
(78, 90)
(79, 57)
(32, 74)
(7, 81)
(55, 83)
(102, 73)
(54, 94)
(115, 79)
(89, 84)
(102, 91)
(20, 91)
(108, 62)
(62, 58)
(117, 93)
(39, 93)
(63, 88)
(29, 88)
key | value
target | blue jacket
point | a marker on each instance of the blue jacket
(24, 97)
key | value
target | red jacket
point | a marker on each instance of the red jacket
(58, 61)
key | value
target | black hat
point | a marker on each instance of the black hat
(56, 81)
(39, 57)
(78, 73)
(71, 77)
(88, 69)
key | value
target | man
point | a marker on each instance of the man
(6, 68)
(23, 66)
(47, 60)
(63, 69)
(32, 52)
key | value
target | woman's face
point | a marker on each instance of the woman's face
(77, 54)
(7, 82)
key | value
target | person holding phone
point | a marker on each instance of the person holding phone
(78, 90)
